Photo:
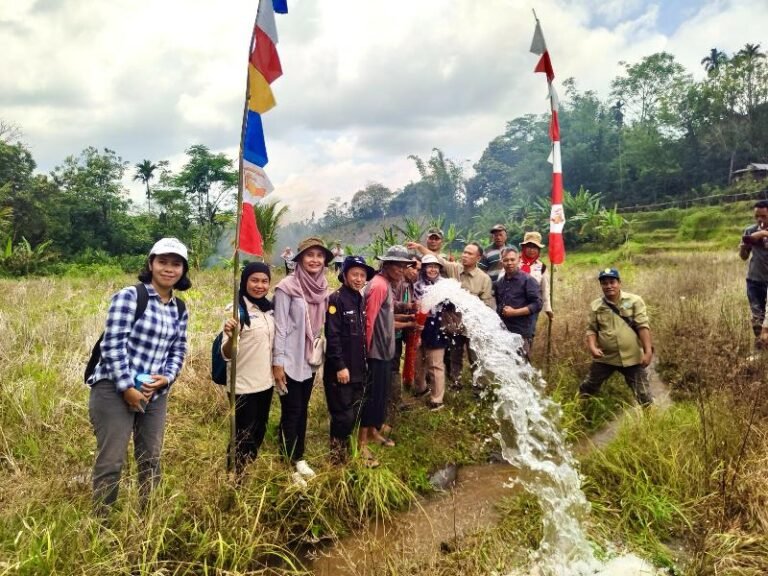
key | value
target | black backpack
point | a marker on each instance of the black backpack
(142, 298)
(218, 363)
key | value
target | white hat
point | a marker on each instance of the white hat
(430, 259)
(169, 246)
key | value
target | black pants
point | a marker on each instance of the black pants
(345, 402)
(635, 376)
(251, 416)
(293, 418)
(377, 393)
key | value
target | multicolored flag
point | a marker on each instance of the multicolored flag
(557, 214)
(263, 69)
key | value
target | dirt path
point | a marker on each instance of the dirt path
(602, 437)
(446, 518)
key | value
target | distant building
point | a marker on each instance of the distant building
(756, 171)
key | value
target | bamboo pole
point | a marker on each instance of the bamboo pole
(549, 323)
(236, 271)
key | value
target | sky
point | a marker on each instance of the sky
(365, 82)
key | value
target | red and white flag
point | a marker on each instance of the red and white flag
(557, 214)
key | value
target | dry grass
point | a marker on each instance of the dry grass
(697, 475)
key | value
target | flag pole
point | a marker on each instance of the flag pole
(549, 318)
(557, 214)
(236, 276)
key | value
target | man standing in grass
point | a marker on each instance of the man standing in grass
(754, 242)
(619, 338)
(518, 298)
(491, 257)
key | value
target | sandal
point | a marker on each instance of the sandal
(388, 442)
(369, 460)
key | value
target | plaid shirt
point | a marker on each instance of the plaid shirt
(156, 344)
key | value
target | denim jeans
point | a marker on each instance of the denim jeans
(756, 295)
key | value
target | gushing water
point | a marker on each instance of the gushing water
(530, 438)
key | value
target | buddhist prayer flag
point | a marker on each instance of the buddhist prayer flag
(263, 68)
(557, 214)
(256, 185)
(280, 6)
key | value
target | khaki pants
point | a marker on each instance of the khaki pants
(430, 361)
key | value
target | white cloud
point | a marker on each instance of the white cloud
(365, 83)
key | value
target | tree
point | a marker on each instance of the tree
(748, 59)
(207, 179)
(370, 202)
(145, 171)
(444, 180)
(9, 132)
(269, 215)
(651, 87)
(714, 61)
(93, 209)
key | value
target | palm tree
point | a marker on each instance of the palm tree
(145, 171)
(750, 52)
(749, 57)
(268, 219)
(713, 61)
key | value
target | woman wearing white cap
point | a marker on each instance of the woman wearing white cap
(141, 354)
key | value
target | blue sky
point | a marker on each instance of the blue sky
(365, 84)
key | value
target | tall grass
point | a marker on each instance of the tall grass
(694, 474)
(200, 521)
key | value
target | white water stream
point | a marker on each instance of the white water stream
(532, 442)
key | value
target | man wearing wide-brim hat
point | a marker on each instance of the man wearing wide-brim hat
(531, 264)
(380, 326)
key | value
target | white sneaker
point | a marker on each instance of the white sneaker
(298, 480)
(303, 468)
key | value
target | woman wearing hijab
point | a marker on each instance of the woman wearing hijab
(300, 304)
(254, 385)
(141, 355)
(429, 358)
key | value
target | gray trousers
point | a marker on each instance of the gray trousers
(113, 424)
(635, 376)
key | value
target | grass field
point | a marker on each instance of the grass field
(690, 477)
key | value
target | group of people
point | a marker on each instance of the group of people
(357, 335)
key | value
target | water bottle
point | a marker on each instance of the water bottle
(142, 379)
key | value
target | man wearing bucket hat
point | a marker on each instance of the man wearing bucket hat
(490, 263)
(531, 264)
(618, 338)
(380, 326)
(344, 372)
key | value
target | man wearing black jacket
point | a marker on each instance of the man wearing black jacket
(344, 373)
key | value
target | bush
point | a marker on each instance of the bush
(705, 224)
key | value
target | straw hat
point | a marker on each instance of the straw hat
(532, 238)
